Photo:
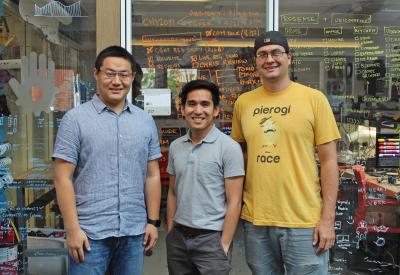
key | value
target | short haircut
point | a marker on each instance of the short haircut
(114, 51)
(200, 84)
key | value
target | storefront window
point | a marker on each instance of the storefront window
(350, 51)
(175, 42)
(47, 51)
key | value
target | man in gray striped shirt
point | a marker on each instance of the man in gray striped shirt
(107, 176)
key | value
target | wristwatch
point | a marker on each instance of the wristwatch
(156, 223)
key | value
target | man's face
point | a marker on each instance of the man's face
(114, 80)
(199, 110)
(272, 63)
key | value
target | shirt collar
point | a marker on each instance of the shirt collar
(100, 106)
(210, 137)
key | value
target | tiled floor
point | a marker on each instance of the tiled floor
(157, 263)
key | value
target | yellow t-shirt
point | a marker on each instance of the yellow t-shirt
(281, 131)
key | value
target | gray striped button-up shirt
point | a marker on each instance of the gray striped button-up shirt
(110, 152)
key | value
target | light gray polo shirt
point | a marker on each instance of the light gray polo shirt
(200, 171)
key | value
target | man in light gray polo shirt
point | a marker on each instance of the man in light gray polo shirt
(205, 192)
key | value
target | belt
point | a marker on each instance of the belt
(192, 232)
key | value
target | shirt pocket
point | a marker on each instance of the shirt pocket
(208, 171)
(136, 144)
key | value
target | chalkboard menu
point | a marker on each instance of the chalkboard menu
(231, 68)
(197, 43)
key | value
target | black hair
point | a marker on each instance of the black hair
(137, 82)
(200, 84)
(114, 51)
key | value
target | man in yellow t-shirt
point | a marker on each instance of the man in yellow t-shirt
(288, 211)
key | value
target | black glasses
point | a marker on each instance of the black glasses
(275, 54)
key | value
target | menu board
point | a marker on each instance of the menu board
(232, 69)
(211, 45)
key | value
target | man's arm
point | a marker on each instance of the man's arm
(152, 196)
(171, 203)
(324, 234)
(76, 238)
(233, 189)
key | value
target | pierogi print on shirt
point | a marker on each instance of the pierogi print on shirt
(270, 131)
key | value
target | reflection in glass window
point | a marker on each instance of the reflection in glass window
(350, 51)
(47, 50)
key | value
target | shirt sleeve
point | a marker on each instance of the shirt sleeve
(67, 145)
(237, 132)
(326, 129)
(154, 145)
(170, 167)
(233, 160)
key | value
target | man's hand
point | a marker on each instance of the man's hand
(150, 237)
(324, 233)
(76, 240)
(324, 236)
(226, 248)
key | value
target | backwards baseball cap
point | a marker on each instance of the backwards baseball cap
(271, 38)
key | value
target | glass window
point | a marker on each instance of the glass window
(178, 41)
(175, 42)
(47, 51)
(350, 51)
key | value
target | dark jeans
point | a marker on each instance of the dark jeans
(193, 255)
